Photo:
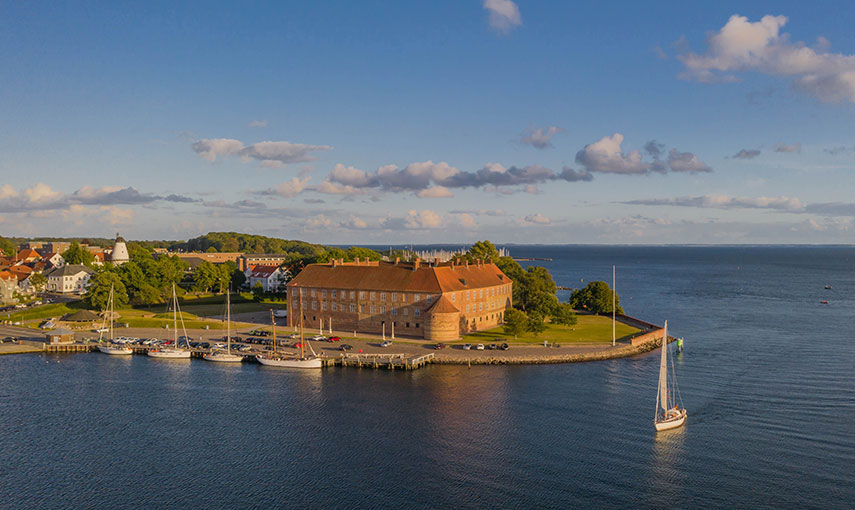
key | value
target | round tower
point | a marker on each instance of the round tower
(120, 251)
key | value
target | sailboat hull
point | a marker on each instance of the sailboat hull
(672, 423)
(223, 357)
(291, 362)
(169, 354)
(115, 351)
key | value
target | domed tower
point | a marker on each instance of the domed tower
(120, 251)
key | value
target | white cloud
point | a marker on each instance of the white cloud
(354, 222)
(686, 162)
(332, 188)
(467, 221)
(258, 124)
(504, 15)
(537, 218)
(41, 193)
(288, 189)
(782, 203)
(746, 154)
(796, 147)
(423, 219)
(211, 148)
(435, 192)
(350, 176)
(540, 138)
(270, 154)
(760, 46)
(319, 221)
(606, 156)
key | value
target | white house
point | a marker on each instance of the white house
(54, 258)
(70, 278)
(8, 286)
(271, 278)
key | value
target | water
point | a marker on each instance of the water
(767, 378)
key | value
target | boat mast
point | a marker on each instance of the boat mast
(614, 291)
(111, 313)
(228, 323)
(273, 324)
(662, 397)
(174, 318)
(302, 348)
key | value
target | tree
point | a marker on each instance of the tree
(484, 250)
(258, 292)
(564, 314)
(7, 247)
(38, 281)
(205, 277)
(146, 295)
(515, 322)
(530, 288)
(98, 295)
(596, 297)
(535, 324)
(75, 254)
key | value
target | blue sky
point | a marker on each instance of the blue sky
(405, 122)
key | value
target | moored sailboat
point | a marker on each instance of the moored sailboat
(111, 348)
(305, 360)
(225, 356)
(669, 411)
(172, 351)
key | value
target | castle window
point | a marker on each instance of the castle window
(352, 307)
(373, 296)
(314, 305)
(394, 296)
(323, 306)
(353, 294)
(394, 311)
(324, 293)
(313, 292)
(334, 292)
(334, 306)
(429, 298)
(416, 313)
(382, 309)
(453, 296)
(372, 309)
(382, 296)
(362, 294)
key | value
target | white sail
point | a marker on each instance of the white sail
(663, 372)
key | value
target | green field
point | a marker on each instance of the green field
(591, 329)
(42, 312)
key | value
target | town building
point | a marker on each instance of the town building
(70, 278)
(194, 259)
(438, 301)
(248, 260)
(27, 255)
(271, 278)
(8, 287)
(120, 252)
(54, 258)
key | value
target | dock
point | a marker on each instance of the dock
(353, 360)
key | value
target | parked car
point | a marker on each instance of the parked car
(205, 345)
(9, 339)
(492, 347)
(479, 347)
(102, 330)
(318, 338)
(219, 346)
(387, 343)
(334, 339)
(440, 346)
(466, 347)
(505, 347)
(345, 347)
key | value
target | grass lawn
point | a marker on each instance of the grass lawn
(145, 319)
(591, 329)
(207, 305)
(42, 312)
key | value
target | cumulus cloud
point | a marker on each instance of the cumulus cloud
(796, 147)
(504, 15)
(258, 124)
(40, 196)
(354, 222)
(746, 154)
(414, 220)
(435, 192)
(540, 138)
(467, 221)
(538, 219)
(760, 46)
(269, 154)
(726, 202)
(607, 156)
(288, 188)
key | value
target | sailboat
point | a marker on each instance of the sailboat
(114, 349)
(227, 356)
(669, 414)
(303, 361)
(172, 351)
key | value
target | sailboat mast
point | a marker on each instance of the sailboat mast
(301, 325)
(111, 313)
(228, 323)
(614, 291)
(663, 372)
(273, 325)
(174, 317)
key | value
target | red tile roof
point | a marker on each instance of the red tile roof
(261, 271)
(443, 305)
(387, 276)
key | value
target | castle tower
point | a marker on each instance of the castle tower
(120, 251)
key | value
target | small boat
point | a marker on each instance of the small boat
(304, 360)
(828, 287)
(669, 414)
(172, 351)
(823, 302)
(225, 356)
(113, 348)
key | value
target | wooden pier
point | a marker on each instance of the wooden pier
(356, 360)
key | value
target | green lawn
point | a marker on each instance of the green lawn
(42, 312)
(591, 329)
(207, 305)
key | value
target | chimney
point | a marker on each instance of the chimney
(467, 263)
(357, 260)
(417, 263)
(334, 262)
(436, 261)
(397, 260)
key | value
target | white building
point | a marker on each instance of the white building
(8, 286)
(71, 278)
(54, 258)
(271, 278)
(120, 251)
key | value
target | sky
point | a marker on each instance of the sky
(430, 122)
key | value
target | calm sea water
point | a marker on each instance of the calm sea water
(767, 378)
